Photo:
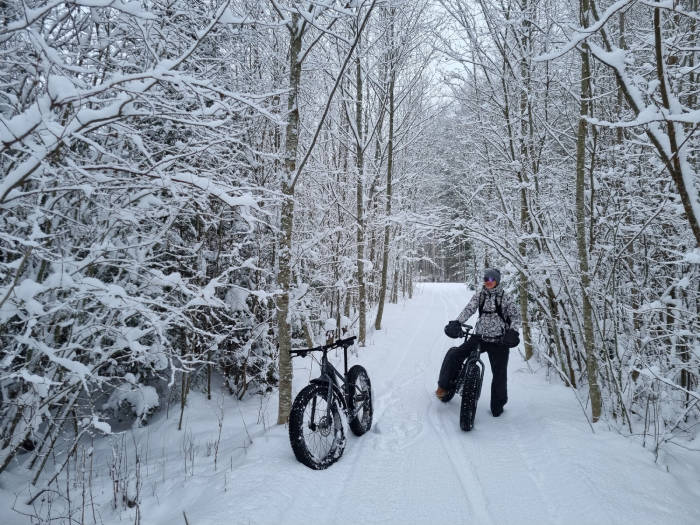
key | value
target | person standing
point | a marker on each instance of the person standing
(496, 331)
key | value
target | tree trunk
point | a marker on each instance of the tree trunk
(591, 362)
(676, 139)
(359, 150)
(525, 222)
(389, 167)
(676, 136)
(395, 283)
(284, 336)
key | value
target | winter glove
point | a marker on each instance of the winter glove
(511, 338)
(453, 329)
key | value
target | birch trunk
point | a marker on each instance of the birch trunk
(287, 221)
(676, 139)
(591, 362)
(525, 222)
(389, 167)
(359, 148)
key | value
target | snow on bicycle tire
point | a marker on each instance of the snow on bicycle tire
(470, 393)
(315, 428)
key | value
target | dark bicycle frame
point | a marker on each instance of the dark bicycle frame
(472, 359)
(331, 377)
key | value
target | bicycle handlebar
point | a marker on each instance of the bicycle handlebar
(466, 329)
(345, 343)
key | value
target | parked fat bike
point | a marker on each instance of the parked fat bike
(315, 427)
(469, 381)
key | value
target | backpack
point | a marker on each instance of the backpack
(499, 307)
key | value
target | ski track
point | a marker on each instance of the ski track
(537, 463)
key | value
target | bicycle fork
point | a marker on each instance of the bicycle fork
(324, 421)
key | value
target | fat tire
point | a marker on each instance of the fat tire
(297, 426)
(470, 394)
(358, 380)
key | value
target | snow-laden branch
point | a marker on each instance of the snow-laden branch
(32, 15)
(673, 6)
(338, 79)
(39, 118)
(581, 34)
(649, 115)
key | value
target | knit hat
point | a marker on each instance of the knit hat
(492, 274)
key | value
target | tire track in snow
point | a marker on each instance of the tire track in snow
(506, 470)
(536, 452)
(400, 446)
(523, 447)
(463, 468)
(500, 459)
(381, 404)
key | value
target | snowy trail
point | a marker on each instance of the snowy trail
(537, 463)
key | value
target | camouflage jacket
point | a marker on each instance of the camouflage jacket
(490, 326)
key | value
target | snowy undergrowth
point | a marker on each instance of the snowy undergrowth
(115, 478)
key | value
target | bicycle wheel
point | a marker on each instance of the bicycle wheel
(360, 400)
(470, 394)
(315, 428)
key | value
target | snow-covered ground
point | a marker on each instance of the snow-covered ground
(537, 463)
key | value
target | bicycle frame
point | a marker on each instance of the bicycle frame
(332, 377)
(473, 359)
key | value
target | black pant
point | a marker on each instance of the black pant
(498, 357)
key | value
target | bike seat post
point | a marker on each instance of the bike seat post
(324, 362)
(345, 355)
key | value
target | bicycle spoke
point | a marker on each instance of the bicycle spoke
(360, 400)
(362, 397)
(319, 427)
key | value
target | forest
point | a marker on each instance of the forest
(191, 188)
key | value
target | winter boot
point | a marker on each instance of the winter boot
(440, 392)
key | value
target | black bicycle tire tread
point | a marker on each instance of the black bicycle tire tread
(296, 422)
(467, 412)
(357, 427)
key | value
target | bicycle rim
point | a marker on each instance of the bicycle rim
(315, 428)
(360, 402)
